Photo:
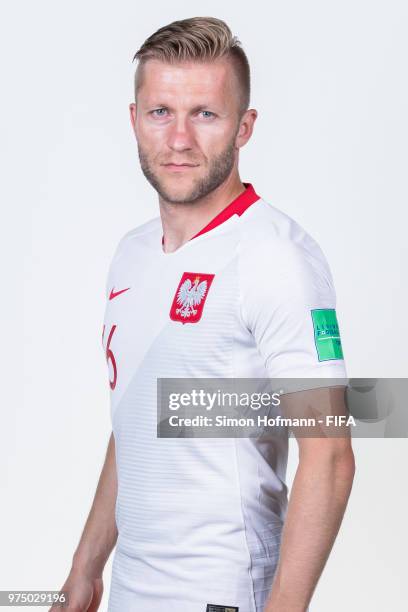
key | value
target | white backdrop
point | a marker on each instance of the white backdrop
(329, 149)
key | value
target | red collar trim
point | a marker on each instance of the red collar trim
(236, 207)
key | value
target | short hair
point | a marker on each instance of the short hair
(196, 39)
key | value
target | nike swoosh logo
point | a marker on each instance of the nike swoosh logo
(114, 294)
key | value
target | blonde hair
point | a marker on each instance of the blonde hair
(196, 39)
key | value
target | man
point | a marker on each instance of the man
(203, 525)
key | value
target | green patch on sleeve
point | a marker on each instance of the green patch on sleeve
(326, 334)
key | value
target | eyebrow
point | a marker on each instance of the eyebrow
(195, 109)
(200, 107)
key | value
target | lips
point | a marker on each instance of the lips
(179, 167)
(174, 165)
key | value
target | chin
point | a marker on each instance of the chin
(178, 191)
(178, 197)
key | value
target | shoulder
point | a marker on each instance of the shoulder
(141, 236)
(275, 249)
(141, 233)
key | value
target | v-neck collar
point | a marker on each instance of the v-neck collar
(236, 207)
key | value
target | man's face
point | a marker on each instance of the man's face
(186, 121)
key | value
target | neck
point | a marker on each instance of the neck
(183, 221)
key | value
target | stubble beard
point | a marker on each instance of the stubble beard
(219, 169)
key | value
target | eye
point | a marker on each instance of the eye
(159, 112)
(207, 114)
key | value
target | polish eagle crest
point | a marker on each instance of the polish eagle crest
(189, 295)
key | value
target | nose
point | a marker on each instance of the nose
(180, 135)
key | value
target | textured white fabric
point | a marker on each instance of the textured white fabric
(199, 520)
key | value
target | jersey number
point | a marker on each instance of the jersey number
(110, 356)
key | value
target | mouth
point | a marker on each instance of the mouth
(179, 167)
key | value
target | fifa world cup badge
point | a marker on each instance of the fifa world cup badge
(190, 297)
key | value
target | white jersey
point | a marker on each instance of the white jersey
(200, 520)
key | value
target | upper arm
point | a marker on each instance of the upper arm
(289, 304)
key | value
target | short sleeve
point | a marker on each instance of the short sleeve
(288, 303)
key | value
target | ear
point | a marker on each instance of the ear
(132, 110)
(246, 127)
